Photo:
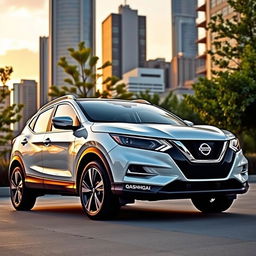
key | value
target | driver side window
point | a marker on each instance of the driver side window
(65, 110)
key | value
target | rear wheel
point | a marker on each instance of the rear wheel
(212, 204)
(23, 199)
(95, 192)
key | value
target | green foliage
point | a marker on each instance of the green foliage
(8, 114)
(228, 100)
(231, 36)
(83, 77)
(225, 101)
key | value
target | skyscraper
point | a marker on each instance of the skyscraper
(184, 31)
(71, 21)
(184, 46)
(123, 41)
(25, 93)
(43, 71)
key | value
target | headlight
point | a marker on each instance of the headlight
(142, 143)
(234, 144)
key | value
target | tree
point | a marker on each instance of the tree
(232, 36)
(8, 114)
(83, 77)
(228, 100)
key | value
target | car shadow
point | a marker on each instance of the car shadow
(139, 213)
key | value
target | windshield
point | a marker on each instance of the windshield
(127, 112)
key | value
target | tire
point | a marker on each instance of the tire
(212, 204)
(23, 199)
(95, 192)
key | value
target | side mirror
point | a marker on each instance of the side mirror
(63, 123)
(188, 123)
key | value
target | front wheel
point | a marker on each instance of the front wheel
(95, 192)
(212, 204)
(23, 199)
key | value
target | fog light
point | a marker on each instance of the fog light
(134, 169)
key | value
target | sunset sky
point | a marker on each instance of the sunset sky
(23, 21)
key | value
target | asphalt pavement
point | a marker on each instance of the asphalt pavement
(58, 226)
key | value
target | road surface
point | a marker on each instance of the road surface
(57, 226)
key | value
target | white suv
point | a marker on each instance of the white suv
(111, 152)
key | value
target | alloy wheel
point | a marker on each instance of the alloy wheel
(16, 187)
(92, 190)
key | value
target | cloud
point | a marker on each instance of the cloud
(27, 4)
(25, 63)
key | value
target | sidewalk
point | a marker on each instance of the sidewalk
(5, 192)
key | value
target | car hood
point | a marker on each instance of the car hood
(196, 132)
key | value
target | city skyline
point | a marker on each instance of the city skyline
(22, 42)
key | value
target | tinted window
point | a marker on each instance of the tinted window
(66, 110)
(42, 121)
(127, 112)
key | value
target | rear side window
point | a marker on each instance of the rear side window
(32, 123)
(42, 121)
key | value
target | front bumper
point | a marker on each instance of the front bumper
(170, 178)
(180, 189)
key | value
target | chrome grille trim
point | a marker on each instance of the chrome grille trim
(192, 159)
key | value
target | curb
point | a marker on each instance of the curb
(252, 179)
(5, 191)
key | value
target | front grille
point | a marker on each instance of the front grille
(193, 148)
(200, 186)
(193, 170)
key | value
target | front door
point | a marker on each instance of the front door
(58, 153)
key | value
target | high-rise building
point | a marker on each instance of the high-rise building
(182, 71)
(184, 32)
(123, 41)
(184, 46)
(25, 93)
(206, 10)
(162, 64)
(43, 71)
(71, 21)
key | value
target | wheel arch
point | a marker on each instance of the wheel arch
(15, 162)
(89, 155)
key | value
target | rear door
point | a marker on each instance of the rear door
(32, 145)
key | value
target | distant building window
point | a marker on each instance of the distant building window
(142, 42)
(115, 62)
(150, 75)
(115, 40)
(142, 32)
(115, 29)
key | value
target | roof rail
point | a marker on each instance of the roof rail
(69, 97)
(142, 101)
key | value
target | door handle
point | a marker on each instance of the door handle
(24, 142)
(47, 142)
